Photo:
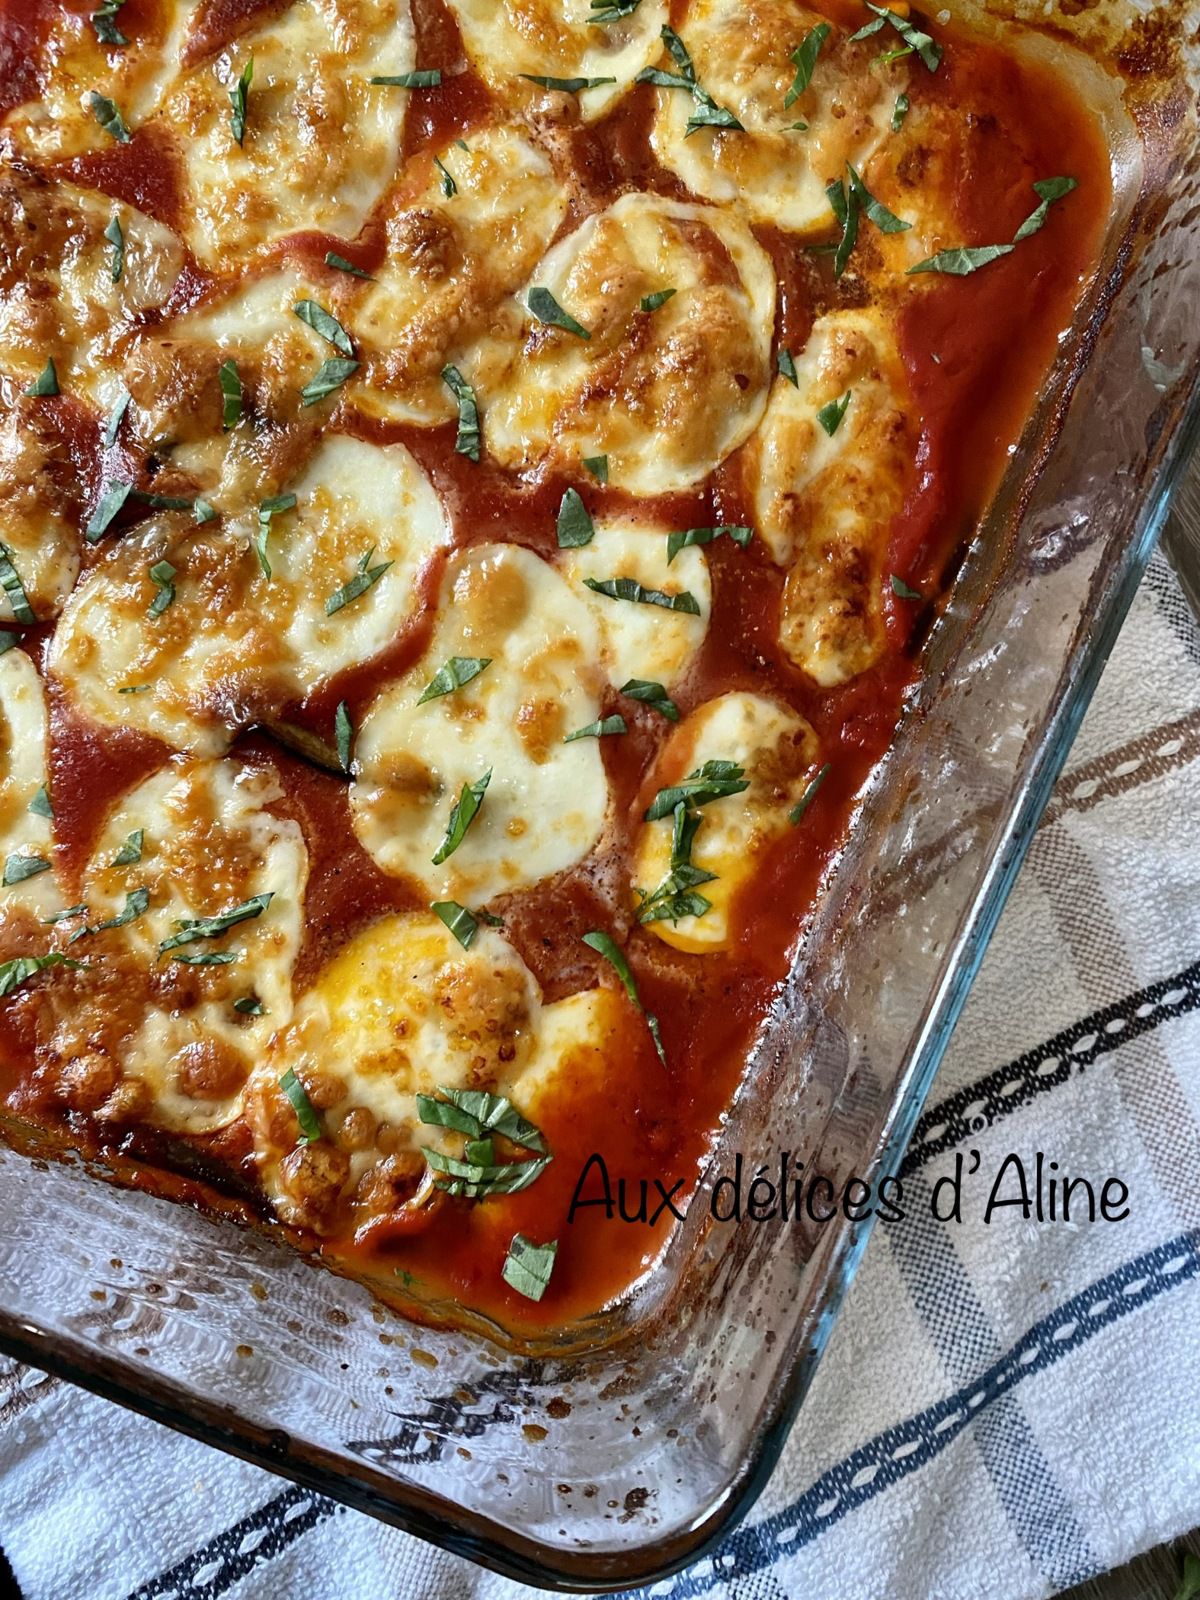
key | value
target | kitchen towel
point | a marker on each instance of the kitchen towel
(1006, 1407)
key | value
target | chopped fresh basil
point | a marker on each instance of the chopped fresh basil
(902, 590)
(238, 99)
(331, 375)
(963, 260)
(899, 112)
(249, 1006)
(8, 640)
(604, 944)
(546, 309)
(110, 503)
(681, 540)
(631, 589)
(131, 851)
(310, 1127)
(136, 902)
(598, 467)
(874, 210)
(231, 394)
(929, 51)
(707, 113)
(429, 78)
(112, 426)
(653, 695)
(18, 971)
(116, 238)
(710, 115)
(104, 21)
(40, 804)
(193, 928)
(527, 1266)
(162, 502)
(479, 1115)
(460, 922)
(786, 364)
(18, 867)
(64, 916)
(10, 581)
(267, 511)
(845, 208)
(462, 815)
(163, 574)
(476, 1181)
(332, 259)
(214, 958)
(830, 416)
(45, 385)
(651, 302)
(1048, 191)
(323, 323)
(605, 11)
(664, 80)
(804, 58)
(598, 730)
(203, 511)
(809, 795)
(449, 187)
(343, 733)
(107, 113)
(459, 670)
(715, 780)
(467, 442)
(566, 85)
(365, 575)
(575, 526)
(675, 896)
(679, 53)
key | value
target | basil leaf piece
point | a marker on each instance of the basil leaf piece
(428, 78)
(844, 203)
(108, 115)
(104, 22)
(331, 375)
(651, 302)
(566, 85)
(110, 503)
(804, 58)
(598, 730)
(343, 733)
(875, 210)
(310, 1127)
(18, 867)
(606, 11)
(467, 442)
(830, 416)
(231, 394)
(40, 804)
(710, 115)
(459, 670)
(268, 510)
(598, 467)
(449, 187)
(472, 1181)
(809, 795)
(480, 1152)
(678, 540)
(322, 322)
(651, 694)
(45, 385)
(116, 238)
(332, 259)
(131, 851)
(929, 51)
(786, 365)
(462, 815)
(527, 1266)
(249, 1006)
(963, 260)
(136, 902)
(238, 99)
(479, 1114)
(899, 112)
(715, 780)
(162, 573)
(18, 971)
(1048, 191)
(193, 928)
(575, 526)
(675, 896)
(546, 308)
(10, 581)
(460, 922)
(902, 590)
(867, 29)
(203, 512)
(664, 80)
(112, 426)
(365, 575)
(214, 958)
(8, 640)
(162, 502)
(64, 916)
(604, 944)
(631, 589)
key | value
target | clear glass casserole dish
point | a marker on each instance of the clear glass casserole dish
(665, 1415)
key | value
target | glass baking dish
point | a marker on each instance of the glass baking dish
(624, 1448)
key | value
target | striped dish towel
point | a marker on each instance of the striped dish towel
(1005, 1408)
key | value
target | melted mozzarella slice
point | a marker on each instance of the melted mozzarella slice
(34, 507)
(823, 503)
(642, 640)
(235, 646)
(665, 394)
(778, 751)
(546, 802)
(24, 834)
(776, 172)
(555, 39)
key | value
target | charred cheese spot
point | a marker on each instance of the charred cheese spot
(35, 511)
(234, 646)
(554, 39)
(778, 750)
(666, 394)
(640, 640)
(22, 774)
(825, 504)
(546, 804)
(774, 171)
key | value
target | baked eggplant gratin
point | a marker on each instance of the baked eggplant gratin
(474, 475)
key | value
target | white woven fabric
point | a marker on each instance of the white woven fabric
(1004, 1409)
